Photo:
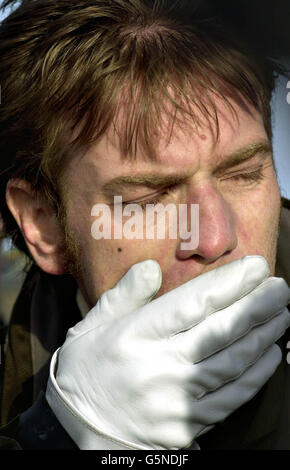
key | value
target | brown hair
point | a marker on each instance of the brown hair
(67, 63)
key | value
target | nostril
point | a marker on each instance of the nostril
(197, 258)
(207, 260)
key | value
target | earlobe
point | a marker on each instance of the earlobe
(38, 224)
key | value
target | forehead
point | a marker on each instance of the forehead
(187, 147)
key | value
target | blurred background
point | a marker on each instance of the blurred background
(267, 24)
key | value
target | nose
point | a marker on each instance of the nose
(217, 233)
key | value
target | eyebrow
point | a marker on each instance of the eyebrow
(156, 180)
(242, 155)
(151, 180)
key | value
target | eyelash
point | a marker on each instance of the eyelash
(154, 200)
(251, 176)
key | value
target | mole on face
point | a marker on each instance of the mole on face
(119, 249)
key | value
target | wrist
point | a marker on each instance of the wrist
(84, 433)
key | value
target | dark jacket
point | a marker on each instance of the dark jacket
(46, 308)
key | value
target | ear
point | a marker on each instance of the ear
(38, 224)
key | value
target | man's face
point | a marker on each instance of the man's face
(232, 179)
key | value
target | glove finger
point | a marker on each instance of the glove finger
(230, 363)
(226, 326)
(187, 418)
(216, 406)
(190, 303)
(136, 288)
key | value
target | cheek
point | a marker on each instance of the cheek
(257, 219)
(105, 262)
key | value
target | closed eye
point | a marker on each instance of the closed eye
(254, 175)
(153, 199)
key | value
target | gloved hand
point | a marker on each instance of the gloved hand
(136, 374)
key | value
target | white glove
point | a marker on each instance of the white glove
(139, 375)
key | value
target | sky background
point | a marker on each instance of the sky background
(281, 132)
